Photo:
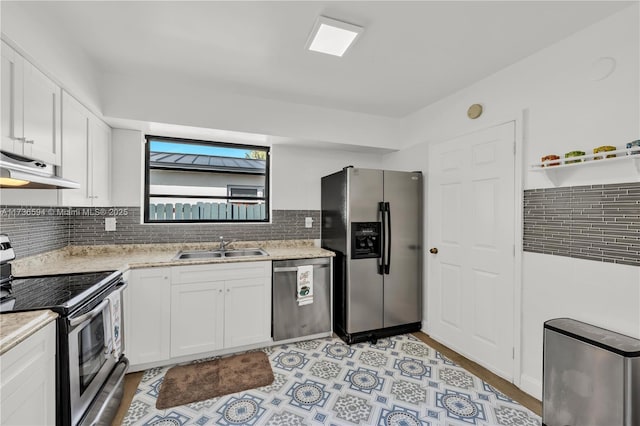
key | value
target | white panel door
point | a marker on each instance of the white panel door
(76, 164)
(148, 308)
(197, 318)
(100, 148)
(247, 317)
(471, 224)
(41, 116)
(12, 98)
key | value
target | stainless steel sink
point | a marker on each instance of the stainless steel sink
(212, 254)
(244, 252)
(200, 254)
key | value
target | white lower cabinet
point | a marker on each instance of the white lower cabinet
(28, 381)
(147, 315)
(197, 318)
(247, 311)
(183, 311)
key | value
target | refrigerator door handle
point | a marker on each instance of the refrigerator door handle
(387, 266)
(381, 261)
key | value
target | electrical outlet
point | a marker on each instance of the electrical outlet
(308, 222)
(109, 223)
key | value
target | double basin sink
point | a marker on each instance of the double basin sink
(217, 254)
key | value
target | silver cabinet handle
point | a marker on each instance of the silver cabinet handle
(29, 141)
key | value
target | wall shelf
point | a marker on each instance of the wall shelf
(555, 173)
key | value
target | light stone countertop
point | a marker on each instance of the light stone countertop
(131, 256)
(15, 327)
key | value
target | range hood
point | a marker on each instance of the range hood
(23, 173)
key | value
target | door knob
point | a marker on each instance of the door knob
(434, 250)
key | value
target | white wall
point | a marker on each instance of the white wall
(170, 100)
(604, 294)
(564, 110)
(296, 173)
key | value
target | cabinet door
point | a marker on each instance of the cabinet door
(148, 328)
(12, 108)
(75, 154)
(197, 315)
(41, 116)
(247, 311)
(27, 389)
(100, 135)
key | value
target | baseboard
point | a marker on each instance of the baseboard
(531, 386)
(188, 358)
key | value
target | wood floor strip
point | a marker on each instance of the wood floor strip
(497, 382)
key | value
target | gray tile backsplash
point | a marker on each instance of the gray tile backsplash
(285, 225)
(35, 230)
(595, 222)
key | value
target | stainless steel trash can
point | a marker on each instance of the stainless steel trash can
(591, 376)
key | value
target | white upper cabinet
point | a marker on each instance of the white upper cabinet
(100, 155)
(86, 153)
(12, 128)
(30, 110)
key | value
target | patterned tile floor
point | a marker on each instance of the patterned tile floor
(399, 381)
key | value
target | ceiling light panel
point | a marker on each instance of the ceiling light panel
(332, 37)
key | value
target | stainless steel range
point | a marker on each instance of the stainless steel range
(90, 364)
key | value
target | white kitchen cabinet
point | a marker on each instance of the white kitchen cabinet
(31, 105)
(12, 123)
(86, 153)
(100, 155)
(147, 304)
(28, 382)
(247, 311)
(219, 306)
(181, 312)
(197, 318)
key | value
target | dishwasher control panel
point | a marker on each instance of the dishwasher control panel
(365, 240)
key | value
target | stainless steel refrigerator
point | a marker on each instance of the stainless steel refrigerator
(372, 220)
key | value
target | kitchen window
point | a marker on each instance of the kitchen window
(190, 181)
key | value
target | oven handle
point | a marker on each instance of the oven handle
(84, 317)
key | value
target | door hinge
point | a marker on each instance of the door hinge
(513, 353)
(514, 148)
(514, 250)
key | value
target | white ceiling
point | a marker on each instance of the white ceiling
(410, 54)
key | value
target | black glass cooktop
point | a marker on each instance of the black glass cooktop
(61, 293)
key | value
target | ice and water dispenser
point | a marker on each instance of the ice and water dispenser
(365, 240)
(591, 376)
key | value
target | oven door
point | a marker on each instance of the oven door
(90, 356)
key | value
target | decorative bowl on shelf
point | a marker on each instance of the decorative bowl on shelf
(604, 148)
(574, 154)
(549, 158)
(634, 144)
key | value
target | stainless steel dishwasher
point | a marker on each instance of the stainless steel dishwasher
(290, 320)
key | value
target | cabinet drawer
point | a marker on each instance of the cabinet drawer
(218, 272)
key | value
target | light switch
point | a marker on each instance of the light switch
(308, 222)
(109, 223)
